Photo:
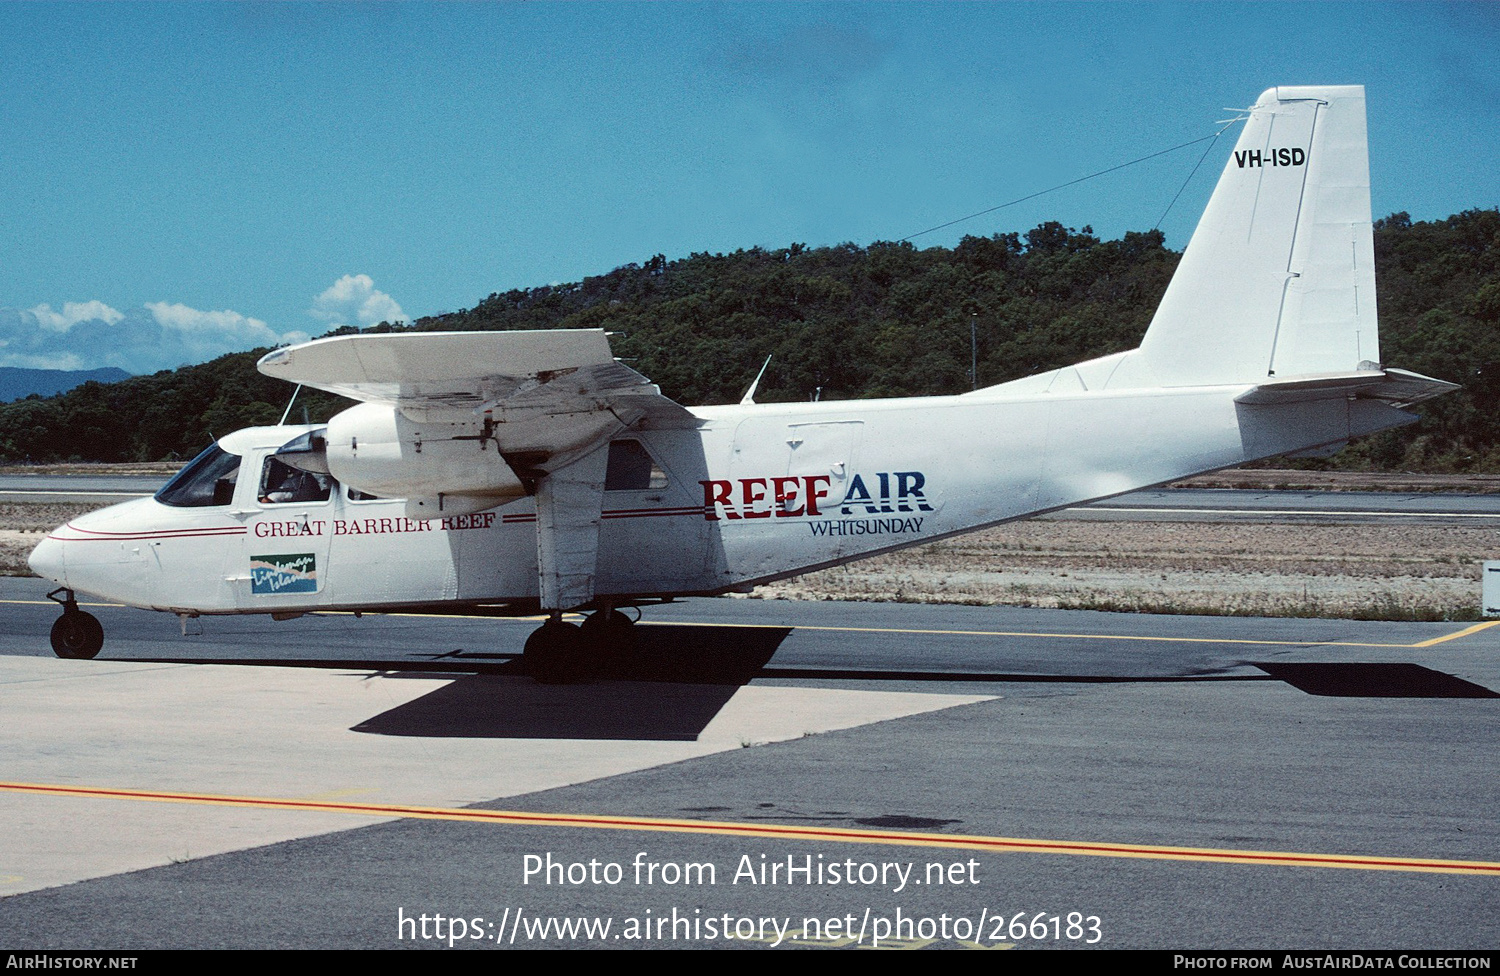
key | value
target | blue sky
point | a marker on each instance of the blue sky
(181, 180)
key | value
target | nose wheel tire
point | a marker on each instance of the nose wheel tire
(77, 634)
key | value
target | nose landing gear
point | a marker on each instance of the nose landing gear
(76, 634)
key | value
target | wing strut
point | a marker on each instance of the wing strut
(568, 506)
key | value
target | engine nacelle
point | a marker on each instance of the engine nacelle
(378, 449)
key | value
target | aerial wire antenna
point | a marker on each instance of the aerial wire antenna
(1226, 124)
(1032, 196)
(287, 412)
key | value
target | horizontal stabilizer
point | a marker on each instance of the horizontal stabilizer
(1397, 387)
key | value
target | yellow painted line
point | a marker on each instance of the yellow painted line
(1462, 633)
(1033, 633)
(1019, 845)
(965, 633)
(1431, 642)
(335, 794)
(948, 633)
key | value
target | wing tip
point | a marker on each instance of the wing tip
(275, 358)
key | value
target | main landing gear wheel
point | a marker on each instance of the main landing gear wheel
(609, 631)
(77, 634)
(562, 653)
(556, 654)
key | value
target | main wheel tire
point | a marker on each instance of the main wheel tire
(556, 654)
(609, 642)
(77, 635)
(609, 631)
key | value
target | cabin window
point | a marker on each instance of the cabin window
(355, 495)
(283, 484)
(632, 468)
(207, 480)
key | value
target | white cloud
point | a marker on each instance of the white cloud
(164, 335)
(75, 312)
(190, 320)
(159, 335)
(354, 300)
(203, 335)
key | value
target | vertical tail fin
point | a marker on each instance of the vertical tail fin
(1279, 278)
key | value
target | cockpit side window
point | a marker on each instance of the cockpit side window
(207, 480)
(281, 483)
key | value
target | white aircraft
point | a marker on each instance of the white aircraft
(527, 471)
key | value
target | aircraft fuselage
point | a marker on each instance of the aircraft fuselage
(753, 493)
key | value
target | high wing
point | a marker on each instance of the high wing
(434, 404)
(512, 374)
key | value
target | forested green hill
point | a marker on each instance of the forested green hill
(884, 320)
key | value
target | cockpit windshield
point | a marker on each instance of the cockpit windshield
(207, 480)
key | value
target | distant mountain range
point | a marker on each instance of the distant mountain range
(18, 384)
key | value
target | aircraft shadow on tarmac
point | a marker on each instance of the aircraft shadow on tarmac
(667, 686)
(1364, 680)
(673, 680)
(493, 707)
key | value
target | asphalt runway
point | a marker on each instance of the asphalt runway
(825, 774)
(84, 488)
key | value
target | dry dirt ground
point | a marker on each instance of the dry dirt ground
(1376, 572)
(1262, 569)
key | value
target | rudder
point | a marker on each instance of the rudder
(1278, 280)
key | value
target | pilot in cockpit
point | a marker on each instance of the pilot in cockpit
(280, 483)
